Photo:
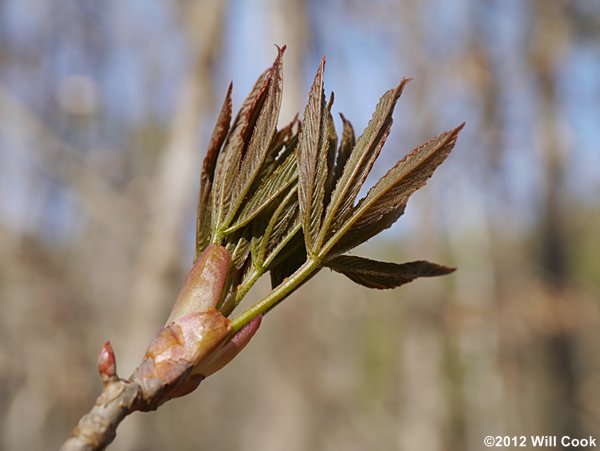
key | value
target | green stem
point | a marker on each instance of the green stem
(281, 291)
(231, 302)
(217, 238)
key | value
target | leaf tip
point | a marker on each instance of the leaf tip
(280, 52)
(446, 270)
(321, 69)
(276, 68)
(330, 101)
(432, 269)
(398, 89)
(453, 135)
(227, 104)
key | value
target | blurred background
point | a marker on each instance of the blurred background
(105, 111)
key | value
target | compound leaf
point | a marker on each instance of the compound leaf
(385, 202)
(361, 160)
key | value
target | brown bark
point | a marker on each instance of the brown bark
(98, 428)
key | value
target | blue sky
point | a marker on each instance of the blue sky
(144, 53)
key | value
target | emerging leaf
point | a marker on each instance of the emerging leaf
(361, 161)
(346, 146)
(262, 135)
(203, 220)
(281, 201)
(291, 257)
(332, 141)
(282, 224)
(284, 201)
(279, 181)
(385, 202)
(381, 275)
(312, 161)
(251, 133)
(240, 251)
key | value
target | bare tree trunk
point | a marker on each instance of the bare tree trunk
(549, 38)
(423, 429)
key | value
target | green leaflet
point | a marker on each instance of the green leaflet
(262, 135)
(281, 225)
(282, 145)
(382, 275)
(312, 161)
(332, 140)
(264, 96)
(284, 201)
(209, 164)
(346, 146)
(289, 259)
(279, 181)
(385, 202)
(360, 162)
(239, 252)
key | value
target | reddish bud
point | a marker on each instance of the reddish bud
(107, 367)
(204, 284)
(190, 338)
(167, 369)
(192, 333)
(225, 353)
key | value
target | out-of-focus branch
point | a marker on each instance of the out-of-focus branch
(98, 428)
(143, 391)
(550, 38)
(92, 192)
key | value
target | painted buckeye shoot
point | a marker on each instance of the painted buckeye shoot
(281, 202)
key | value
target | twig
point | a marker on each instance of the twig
(98, 428)
(149, 386)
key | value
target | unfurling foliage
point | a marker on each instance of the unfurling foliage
(282, 201)
(285, 201)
